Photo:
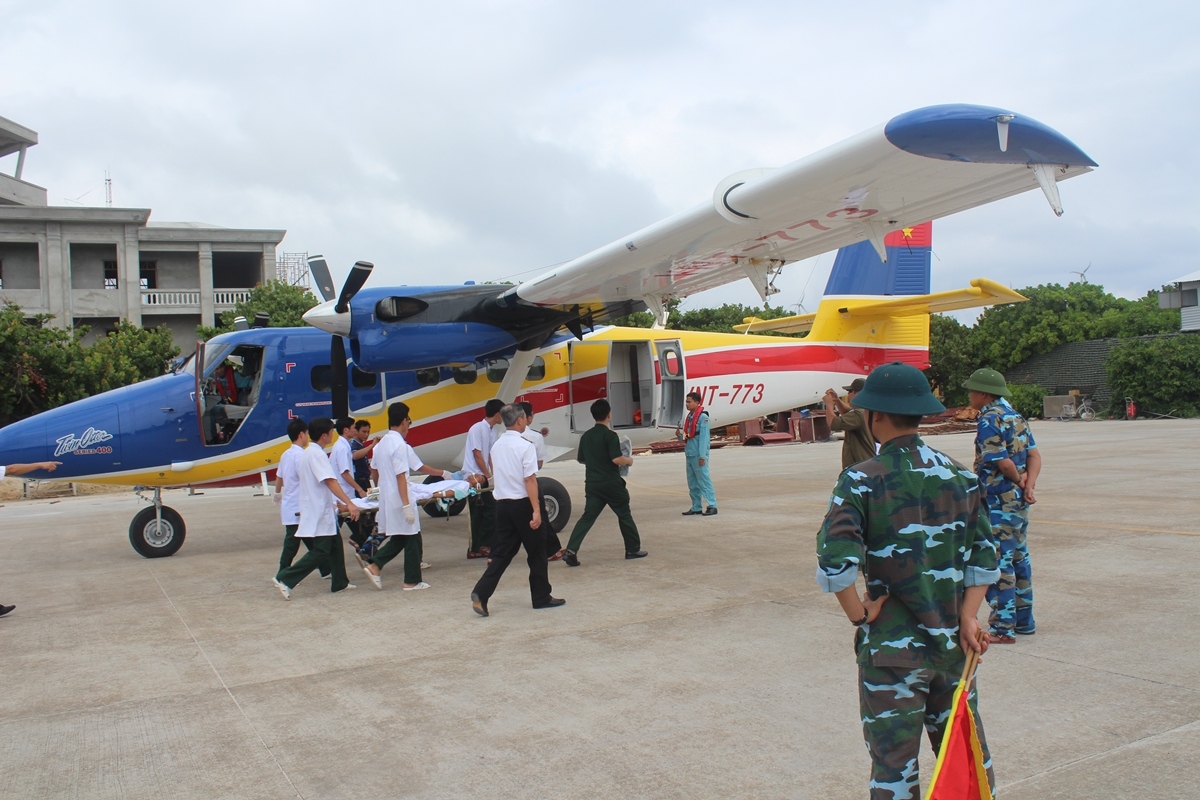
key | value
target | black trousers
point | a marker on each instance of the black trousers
(512, 533)
(482, 510)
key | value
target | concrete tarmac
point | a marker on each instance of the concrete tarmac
(714, 668)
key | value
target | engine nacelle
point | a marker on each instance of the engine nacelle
(399, 347)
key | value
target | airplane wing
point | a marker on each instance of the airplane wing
(919, 166)
(982, 292)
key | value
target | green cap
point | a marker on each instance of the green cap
(898, 388)
(987, 380)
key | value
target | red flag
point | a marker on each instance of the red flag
(960, 774)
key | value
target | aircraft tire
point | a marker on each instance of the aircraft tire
(434, 510)
(151, 543)
(558, 503)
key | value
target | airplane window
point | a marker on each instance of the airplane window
(466, 374)
(496, 369)
(214, 356)
(363, 380)
(671, 367)
(322, 378)
(537, 370)
(429, 377)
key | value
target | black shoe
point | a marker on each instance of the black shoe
(5, 609)
(711, 511)
(480, 606)
(553, 602)
(691, 512)
(638, 554)
(570, 559)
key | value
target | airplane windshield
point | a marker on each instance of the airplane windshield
(214, 355)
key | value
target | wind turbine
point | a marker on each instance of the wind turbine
(1083, 275)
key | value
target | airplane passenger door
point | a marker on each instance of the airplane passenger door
(587, 380)
(672, 383)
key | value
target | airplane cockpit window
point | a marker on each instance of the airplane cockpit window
(465, 374)
(232, 383)
(497, 368)
(363, 380)
(321, 378)
(429, 377)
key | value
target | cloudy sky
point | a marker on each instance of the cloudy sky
(489, 140)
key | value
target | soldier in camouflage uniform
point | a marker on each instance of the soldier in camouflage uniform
(1007, 462)
(911, 520)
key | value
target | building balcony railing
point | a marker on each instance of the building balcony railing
(230, 297)
(223, 299)
(153, 297)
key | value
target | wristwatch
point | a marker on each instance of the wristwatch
(863, 621)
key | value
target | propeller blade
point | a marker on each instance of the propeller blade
(320, 273)
(338, 382)
(354, 281)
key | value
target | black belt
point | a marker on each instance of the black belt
(513, 500)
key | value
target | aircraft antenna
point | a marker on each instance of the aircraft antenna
(107, 189)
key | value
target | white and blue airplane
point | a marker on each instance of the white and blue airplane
(446, 350)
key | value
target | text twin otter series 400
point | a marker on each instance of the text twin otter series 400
(446, 350)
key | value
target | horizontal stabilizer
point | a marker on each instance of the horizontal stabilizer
(981, 293)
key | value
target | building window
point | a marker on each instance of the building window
(110, 274)
(149, 274)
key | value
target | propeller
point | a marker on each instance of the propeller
(339, 384)
(354, 281)
(320, 273)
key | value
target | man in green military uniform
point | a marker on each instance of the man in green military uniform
(857, 444)
(600, 452)
(913, 521)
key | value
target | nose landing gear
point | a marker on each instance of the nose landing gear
(157, 531)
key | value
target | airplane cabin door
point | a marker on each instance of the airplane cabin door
(672, 383)
(587, 380)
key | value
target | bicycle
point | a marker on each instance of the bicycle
(1083, 410)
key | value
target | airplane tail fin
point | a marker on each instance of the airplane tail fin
(885, 304)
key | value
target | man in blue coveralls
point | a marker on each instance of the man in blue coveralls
(1007, 462)
(694, 434)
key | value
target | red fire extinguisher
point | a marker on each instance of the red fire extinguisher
(1130, 408)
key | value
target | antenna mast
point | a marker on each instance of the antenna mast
(107, 189)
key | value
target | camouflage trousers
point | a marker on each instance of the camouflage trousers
(895, 703)
(1011, 597)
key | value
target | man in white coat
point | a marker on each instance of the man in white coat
(318, 515)
(287, 494)
(398, 515)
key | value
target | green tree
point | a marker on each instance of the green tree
(950, 361)
(40, 360)
(1161, 374)
(284, 303)
(713, 320)
(126, 355)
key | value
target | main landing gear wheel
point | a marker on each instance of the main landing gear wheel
(557, 501)
(435, 510)
(156, 535)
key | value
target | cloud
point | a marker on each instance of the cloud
(490, 140)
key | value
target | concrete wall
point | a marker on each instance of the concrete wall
(175, 270)
(98, 326)
(19, 261)
(87, 264)
(183, 328)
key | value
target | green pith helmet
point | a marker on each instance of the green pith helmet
(898, 388)
(987, 380)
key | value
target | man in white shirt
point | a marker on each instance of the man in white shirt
(554, 548)
(517, 516)
(477, 459)
(287, 494)
(341, 458)
(12, 471)
(318, 515)
(398, 516)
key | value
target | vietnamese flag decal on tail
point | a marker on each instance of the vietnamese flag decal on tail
(960, 774)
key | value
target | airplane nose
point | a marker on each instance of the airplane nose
(324, 317)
